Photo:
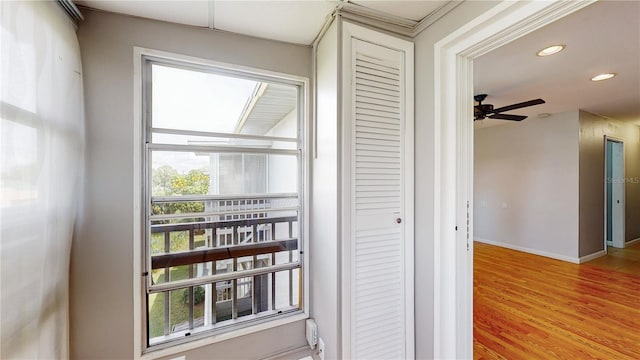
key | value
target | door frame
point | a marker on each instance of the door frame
(453, 173)
(608, 138)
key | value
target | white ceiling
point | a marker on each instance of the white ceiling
(291, 21)
(295, 21)
(603, 37)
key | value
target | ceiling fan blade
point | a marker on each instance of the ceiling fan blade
(507, 117)
(518, 105)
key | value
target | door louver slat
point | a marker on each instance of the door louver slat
(378, 249)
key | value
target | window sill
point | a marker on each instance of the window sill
(213, 339)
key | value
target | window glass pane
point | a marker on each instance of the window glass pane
(230, 174)
(223, 173)
(156, 314)
(176, 173)
(194, 100)
(287, 287)
(283, 173)
(186, 99)
(254, 174)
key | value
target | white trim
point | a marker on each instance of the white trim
(192, 60)
(595, 255)
(534, 251)
(222, 135)
(305, 186)
(409, 199)
(287, 354)
(213, 339)
(631, 242)
(452, 191)
(377, 19)
(211, 14)
(137, 203)
(624, 194)
(570, 259)
(139, 349)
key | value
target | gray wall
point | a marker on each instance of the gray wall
(425, 164)
(593, 128)
(525, 185)
(102, 261)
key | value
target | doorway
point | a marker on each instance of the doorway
(614, 192)
(453, 185)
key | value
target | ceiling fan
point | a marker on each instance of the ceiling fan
(482, 111)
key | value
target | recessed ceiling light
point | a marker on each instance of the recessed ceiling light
(554, 49)
(544, 115)
(601, 77)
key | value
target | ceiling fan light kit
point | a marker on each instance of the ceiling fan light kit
(482, 111)
(601, 77)
(550, 50)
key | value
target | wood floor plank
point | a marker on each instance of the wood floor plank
(532, 307)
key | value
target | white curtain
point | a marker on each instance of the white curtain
(41, 143)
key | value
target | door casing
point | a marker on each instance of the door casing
(618, 241)
(453, 145)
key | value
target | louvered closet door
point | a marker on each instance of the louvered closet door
(378, 273)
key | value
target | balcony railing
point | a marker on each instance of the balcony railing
(248, 252)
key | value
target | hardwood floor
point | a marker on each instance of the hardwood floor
(532, 307)
(625, 260)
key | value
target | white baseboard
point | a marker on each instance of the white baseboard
(629, 243)
(301, 353)
(531, 251)
(584, 259)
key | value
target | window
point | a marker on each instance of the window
(223, 168)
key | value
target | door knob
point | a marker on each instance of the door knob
(398, 220)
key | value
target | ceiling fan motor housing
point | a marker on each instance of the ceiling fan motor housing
(481, 110)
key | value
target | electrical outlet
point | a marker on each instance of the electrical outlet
(179, 358)
(312, 333)
(321, 348)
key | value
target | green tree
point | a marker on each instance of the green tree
(168, 182)
(195, 182)
(162, 178)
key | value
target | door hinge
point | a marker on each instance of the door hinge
(468, 225)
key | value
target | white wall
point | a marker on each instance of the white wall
(425, 165)
(102, 317)
(526, 185)
(325, 215)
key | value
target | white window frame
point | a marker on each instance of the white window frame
(141, 350)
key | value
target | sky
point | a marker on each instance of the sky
(193, 100)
